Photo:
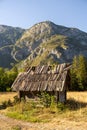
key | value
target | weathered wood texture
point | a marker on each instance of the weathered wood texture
(44, 78)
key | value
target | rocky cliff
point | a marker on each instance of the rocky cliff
(44, 43)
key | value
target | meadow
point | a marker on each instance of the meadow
(5, 96)
(75, 108)
(33, 116)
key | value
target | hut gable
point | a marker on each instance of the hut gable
(43, 78)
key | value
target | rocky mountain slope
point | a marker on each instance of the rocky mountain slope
(8, 37)
(44, 43)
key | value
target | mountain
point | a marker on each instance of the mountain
(44, 43)
(8, 37)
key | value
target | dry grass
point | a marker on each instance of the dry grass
(78, 96)
(73, 119)
(5, 96)
(75, 108)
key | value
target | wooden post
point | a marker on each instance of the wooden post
(57, 96)
(62, 96)
(19, 95)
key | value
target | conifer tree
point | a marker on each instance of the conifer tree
(79, 73)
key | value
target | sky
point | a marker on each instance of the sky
(26, 13)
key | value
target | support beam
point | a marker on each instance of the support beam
(62, 96)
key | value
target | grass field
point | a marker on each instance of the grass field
(75, 108)
(78, 96)
(73, 116)
(5, 96)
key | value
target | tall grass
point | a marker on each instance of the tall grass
(36, 111)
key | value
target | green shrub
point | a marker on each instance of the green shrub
(45, 99)
(16, 99)
(8, 89)
(61, 106)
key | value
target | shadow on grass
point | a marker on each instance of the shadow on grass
(2, 107)
(5, 104)
(73, 104)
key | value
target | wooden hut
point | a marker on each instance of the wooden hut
(52, 79)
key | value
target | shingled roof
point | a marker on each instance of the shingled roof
(42, 78)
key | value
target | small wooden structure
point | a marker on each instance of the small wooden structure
(53, 79)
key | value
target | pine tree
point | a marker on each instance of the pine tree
(82, 72)
(74, 81)
(79, 73)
